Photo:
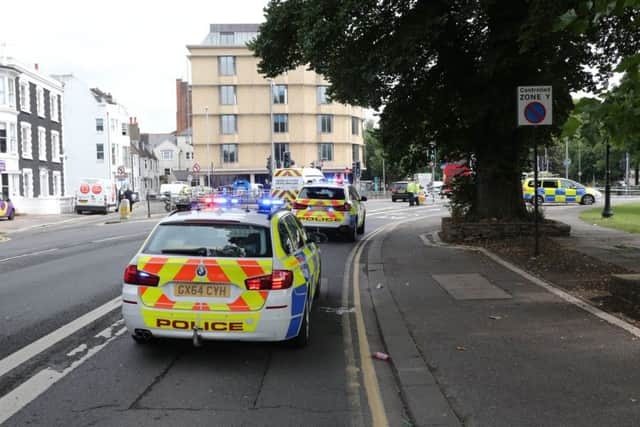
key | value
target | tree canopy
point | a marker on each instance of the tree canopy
(446, 71)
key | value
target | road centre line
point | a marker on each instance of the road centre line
(30, 254)
(24, 354)
(29, 390)
(124, 236)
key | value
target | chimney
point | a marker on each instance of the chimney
(36, 66)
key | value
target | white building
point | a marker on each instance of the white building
(174, 154)
(96, 135)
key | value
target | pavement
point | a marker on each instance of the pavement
(474, 342)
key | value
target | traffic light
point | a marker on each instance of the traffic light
(286, 156)
(269, 164)
(356, 170)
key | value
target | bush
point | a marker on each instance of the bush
(462, 196)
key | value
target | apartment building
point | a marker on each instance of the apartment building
(96, 135)
(31, 149)
(237, 114)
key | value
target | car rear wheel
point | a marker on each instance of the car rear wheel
(361, 228)
(12, 215)
(78, 211)
(302, 339)
(352, 233)
(587, 199)
(540, 200)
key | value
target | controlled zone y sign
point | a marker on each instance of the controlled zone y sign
(535, 105)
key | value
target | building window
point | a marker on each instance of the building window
(280, 148)
(125, 129)
(25, 129)
(280, 123)
(166, 155)
(114, 124)
(42, 143)
(227, 95)
(3, 97)
(27, 181)
(40, 101)
(279, 94)
(57, 184)
(113, 155)
(100, 152)
(53, 107)
(4, 185)
(99, 124)
(355, 126)
(355, 153)
(228, 124)
(25, 102)
(227, 39)
(44, 183)
(55, 146)
(229, 153)
(167, 171)
(227, 65)
(13, 139)
(4, 148)
(325, 152)
(325, 123)
(11, 88)
(322, 95)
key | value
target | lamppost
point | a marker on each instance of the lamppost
(273, 147)
(206, 116)
(607, 212)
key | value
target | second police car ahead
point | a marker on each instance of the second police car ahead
(225, 274)
(331, 207)
(559, 190)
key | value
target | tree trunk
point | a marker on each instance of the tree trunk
(498, 179)
(637, 172)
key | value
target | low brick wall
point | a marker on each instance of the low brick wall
(466, 231)
(626, 287)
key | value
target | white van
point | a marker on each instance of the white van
(96, 195)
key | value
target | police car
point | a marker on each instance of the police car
(331, 207)
(223, 274)
(559, 190)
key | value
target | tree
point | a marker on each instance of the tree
(447, 71)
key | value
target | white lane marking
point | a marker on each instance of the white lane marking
(30, 254)
(25, 353)
(124, 236)
(613, 320)
(29, 390)
(79, 349)
(404, 211)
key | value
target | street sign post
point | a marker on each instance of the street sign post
(121, 170)
(535, 105)
(535, 108)
(196, 168)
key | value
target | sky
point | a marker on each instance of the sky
(133, 49)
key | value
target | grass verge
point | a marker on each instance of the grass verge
(625, 217)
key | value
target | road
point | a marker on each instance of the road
(93, 374)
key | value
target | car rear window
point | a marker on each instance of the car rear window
(322, 193)
(213, 239)
(399, 186)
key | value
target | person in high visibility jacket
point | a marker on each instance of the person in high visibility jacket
(412, 191)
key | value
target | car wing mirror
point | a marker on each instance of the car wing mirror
(363, 198)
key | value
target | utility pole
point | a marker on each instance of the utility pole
(607, 212)
(206, 115)
(626, 172)
(273, 147)
(384, 179)
(579, 163)
(567, 162)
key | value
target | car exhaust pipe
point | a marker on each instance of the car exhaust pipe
(142, 335)
(197, 339)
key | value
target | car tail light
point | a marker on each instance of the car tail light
(297, 205)
(133, 276)
(96, 189)
(84, 188)
(278, 279)
(346, 207)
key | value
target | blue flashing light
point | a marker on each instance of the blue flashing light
(220, 200)
(265, 202)
(234, 201)
(277, 202)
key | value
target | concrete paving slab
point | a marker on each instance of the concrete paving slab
(470, 286)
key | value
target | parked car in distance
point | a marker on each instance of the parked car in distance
(7, 210)
(399, 191)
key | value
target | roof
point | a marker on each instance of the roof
(101, 96)
(240, 28)
(155, 139)
(238, 214)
